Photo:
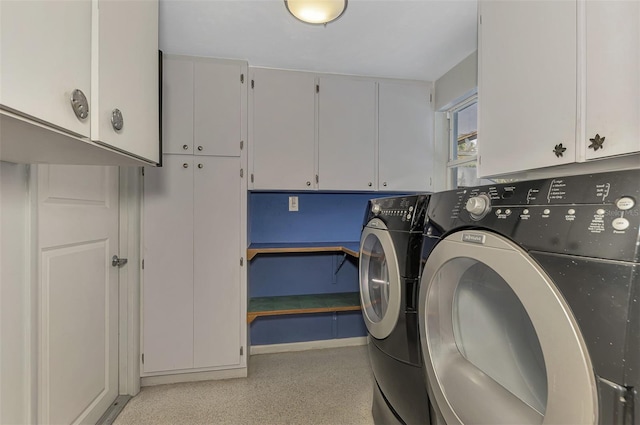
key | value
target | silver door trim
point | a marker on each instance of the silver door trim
(571, 394)
(383, 328)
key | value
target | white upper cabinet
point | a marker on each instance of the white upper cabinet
(526, 85)
(612, 78)
(45, 54)
(346, 133)
(405, 141)
(203, 105)
(282, 129)
(126, 72)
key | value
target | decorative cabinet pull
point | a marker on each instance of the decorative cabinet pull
(185, 147)
(117, 120)
(79, 104)
(308, 183)
(200, 166)
(200, 148)
(185, 165)
(370, 184)
(596, 143)
(559, 150)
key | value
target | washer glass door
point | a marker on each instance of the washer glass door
(500, 343)
(380, 290)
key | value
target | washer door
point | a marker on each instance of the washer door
(380, 289)
(499, 341)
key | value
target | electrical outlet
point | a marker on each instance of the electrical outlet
(293, 203)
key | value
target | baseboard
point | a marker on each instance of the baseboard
(308, 345)
(148, 381)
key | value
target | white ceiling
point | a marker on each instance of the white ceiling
(409, 39)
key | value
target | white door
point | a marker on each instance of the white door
(177, 104)
(380, 284)
(500, 343)
(78, 308)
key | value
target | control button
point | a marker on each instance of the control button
(408, 216)
(620, 223)
(507, 211)
(625, 203)
(375, 209)
(600, 211)
(498, 211)
(410, 209)
(525, 211)
(546, 211)
(571, 211)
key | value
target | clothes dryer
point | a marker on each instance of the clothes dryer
(529, 305)
(389, 270)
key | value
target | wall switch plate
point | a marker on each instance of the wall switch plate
(293, 203)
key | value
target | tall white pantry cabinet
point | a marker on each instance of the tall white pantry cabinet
(194, 288)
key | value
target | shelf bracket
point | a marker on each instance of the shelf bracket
(341, 263)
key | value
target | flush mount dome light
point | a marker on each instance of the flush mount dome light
(319, 12)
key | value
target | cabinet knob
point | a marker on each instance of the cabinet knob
(185, 165)
(370, 184)
(185, 147)
(79, 104)
(384, 184)
(308, 183)
(117, 120)
(200, 166)
(596, 143)
(200, 148)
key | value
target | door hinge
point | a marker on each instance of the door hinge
(252, 83)
(480, 19)
(241, 78)
(241, 350)
(317, 179)
(142, 358)
(241, 172)
(430, 97)
(143, 264)
(317, 88)
(241, 144)
(251, 177)
(241, 261)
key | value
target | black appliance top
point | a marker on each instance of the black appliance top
(591, 215)
(404, 213)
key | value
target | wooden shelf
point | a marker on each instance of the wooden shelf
(350, 248)
(302, 304)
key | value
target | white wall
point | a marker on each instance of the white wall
(458, 83)
(14, 294)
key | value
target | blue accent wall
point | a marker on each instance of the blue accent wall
(321, 217)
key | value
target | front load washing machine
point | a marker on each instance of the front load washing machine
(389, 276)
(529, 305)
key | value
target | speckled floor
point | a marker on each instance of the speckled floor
(330, 386)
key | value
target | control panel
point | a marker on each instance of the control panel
(402, 213)
(595, 215)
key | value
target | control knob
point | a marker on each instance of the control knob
(375, 209)
(478, 206)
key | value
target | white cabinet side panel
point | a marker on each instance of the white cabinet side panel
(217, 311)
(168, 268)
(405, 132)
(347, 134)
(177, 105)
(283, 114)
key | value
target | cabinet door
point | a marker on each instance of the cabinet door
(177, 105)
(46, 55)
(612, 77)
(526, 85)
(217, 321)
(283, 133)
(347, 132)
(405, 137)
(168, 272)
(127, 75)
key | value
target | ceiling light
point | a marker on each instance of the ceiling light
(319, 12)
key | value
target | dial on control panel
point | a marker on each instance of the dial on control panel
(478, 206)
(375, 209)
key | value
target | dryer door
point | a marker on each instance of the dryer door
(500, 343)
(380, 290)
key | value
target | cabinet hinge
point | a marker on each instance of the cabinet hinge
(142, 358)
(252, 84)
(430, 97)
(317, 179)
(251, 177)
(480, 19)
(317, 88)
(241, 78)
(143, 171)
(241, 172)
(241, 261)
(241, 350)
(143, 264)
(241, 144)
